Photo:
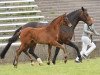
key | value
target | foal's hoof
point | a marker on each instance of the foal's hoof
(15, 66)
(48, 63)
(65, 59)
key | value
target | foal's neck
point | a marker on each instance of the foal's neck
(55, 24)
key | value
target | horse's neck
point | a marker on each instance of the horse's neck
(74, 21)
(75, 24)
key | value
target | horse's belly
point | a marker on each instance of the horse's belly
(63, 37)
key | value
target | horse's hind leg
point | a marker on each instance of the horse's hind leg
(49, 52)
(31, 51)
(32, 63)
(55, 43)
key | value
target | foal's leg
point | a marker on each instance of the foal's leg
(49, 52)
(18, 52)
(76, 48)
(31, 51)
(55, 43)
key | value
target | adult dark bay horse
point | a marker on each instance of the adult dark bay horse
(45, 35)
(65, 35)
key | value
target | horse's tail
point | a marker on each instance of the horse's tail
(10, 41)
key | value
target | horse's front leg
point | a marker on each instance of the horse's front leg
(49, 52)
(76, 48)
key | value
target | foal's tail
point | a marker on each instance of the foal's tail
(10, 41)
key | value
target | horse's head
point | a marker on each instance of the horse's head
(84, 16)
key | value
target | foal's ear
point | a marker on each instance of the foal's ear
(64, 14)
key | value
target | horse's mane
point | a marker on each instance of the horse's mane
(72, 15)
(76, 11)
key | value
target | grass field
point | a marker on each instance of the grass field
(88, 67)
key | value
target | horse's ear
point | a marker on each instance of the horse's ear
(82, 8)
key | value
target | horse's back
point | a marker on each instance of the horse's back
(25, 31)
(35, 24)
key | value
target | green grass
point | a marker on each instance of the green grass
(88, 67)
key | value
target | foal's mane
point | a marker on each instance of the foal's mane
(55, 19)
(53, 24)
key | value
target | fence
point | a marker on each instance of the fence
(13, 14)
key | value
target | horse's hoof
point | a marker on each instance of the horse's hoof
(41, 64)
(48, 63)
(80, 60)
(53, 62)
(32, 63)
(40, 61)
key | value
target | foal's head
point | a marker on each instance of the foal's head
(84, 16)
(65, 20)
